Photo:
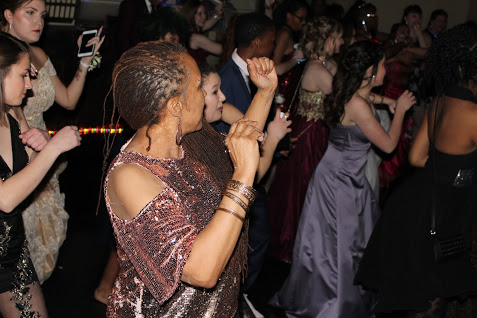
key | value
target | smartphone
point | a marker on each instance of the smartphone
(87, 50)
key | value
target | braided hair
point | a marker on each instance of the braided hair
(145, 78)
(452, 57)
(350, 76)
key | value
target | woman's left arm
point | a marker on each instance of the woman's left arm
(230, 114)
(68, 97)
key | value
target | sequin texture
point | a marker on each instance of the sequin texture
(311, 105)
(154, 246)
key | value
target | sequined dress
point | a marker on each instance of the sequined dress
(44, 217)
(16, 268)
(293, 173)
(154, 246)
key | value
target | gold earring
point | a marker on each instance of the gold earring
(179, 133)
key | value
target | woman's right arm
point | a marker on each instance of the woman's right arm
(19, 186)
(201, 41)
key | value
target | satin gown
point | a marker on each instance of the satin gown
(338, 216)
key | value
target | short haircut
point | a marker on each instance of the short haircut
(251, 26)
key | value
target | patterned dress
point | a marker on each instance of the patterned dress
(16, 269)
(44, 217)
(154, 246)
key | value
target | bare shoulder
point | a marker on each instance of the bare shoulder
(131, 188)
(38, 55)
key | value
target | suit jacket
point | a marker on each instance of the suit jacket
(235, 90)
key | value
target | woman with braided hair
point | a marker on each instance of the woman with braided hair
(177, 193)
(340, 209)
(403, 268)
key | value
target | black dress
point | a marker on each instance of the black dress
(399, 258)
(16, 268)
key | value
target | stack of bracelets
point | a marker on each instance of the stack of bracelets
(234, 186)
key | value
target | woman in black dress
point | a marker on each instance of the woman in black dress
(399, 261)
(21, 170)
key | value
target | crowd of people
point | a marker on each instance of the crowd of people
(300, 133)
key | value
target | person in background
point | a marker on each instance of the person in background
(26, 155)
(164, 24)
(400, 261)
(45, 217)
(437, 24)
(340, 209)
(200, 46)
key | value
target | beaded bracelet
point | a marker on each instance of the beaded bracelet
(298, 60)
(237, 200)
(244, 189)
(238, 216)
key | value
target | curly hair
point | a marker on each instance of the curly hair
(350, 76)
(145, 78)
(452, 57)
(315, 34)
(165, 20)
(12, 5)
(288, 6)
(12, 51)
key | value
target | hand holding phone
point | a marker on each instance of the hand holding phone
(85, 50)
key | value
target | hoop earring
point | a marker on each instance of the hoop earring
(179, 133)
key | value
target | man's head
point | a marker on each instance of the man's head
(255, 33)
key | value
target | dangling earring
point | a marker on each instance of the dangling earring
(179, 133)
(10, 27)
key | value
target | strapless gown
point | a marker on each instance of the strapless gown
(338, 216)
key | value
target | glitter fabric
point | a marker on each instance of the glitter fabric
(311, 105)
(154, 246)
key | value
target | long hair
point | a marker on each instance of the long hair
(452, 57)
(11, 5)
(145, 78)
(11, 52)
(189, 10)
(315, 34)
(350, 76)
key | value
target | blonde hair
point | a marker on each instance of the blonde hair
(315, 34)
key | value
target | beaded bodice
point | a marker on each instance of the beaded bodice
(154, 246)
(311, 105)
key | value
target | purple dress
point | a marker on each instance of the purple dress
(338, 216)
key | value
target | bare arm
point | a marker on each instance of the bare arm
(201, 41)
(18, 187)
(230, 114)
(276, 130)
(68, 97)
(359, 112)
(263, 75)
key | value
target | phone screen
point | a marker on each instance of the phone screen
(86, 50)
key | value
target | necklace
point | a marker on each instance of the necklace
(323, 61)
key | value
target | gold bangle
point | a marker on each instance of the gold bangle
(237, 200)
(238, 216)
(244, 189)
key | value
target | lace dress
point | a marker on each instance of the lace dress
(154, 246)
(16, 269)
(293, 173)
(44, 217)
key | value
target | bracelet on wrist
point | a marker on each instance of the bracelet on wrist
(247, 191)
(94, 63)
(83, 64)
(238, 216)
(298, 60)
(237, 200)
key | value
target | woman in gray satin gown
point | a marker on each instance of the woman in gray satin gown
(340, 209)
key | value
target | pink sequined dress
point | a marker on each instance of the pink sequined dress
(293, 173)
(154, 246)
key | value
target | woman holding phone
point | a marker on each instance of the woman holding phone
(45, 218)
(21, 170)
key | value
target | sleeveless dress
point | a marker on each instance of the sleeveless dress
(44, 217)
(399, 259)
(294, 172)
(16, 268)
(288, 82)
(339, 214)
(154, 246)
